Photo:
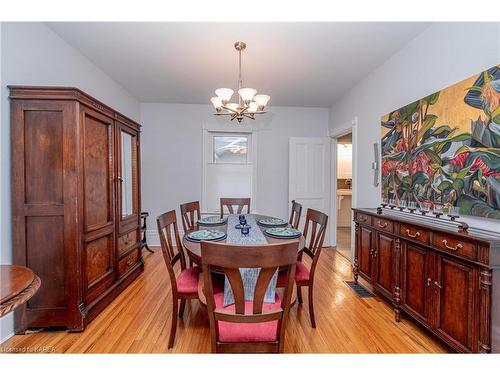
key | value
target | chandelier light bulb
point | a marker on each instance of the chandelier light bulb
(217, 102)
(252, 107)
(261, 100)
(224, 94)
(247, 94)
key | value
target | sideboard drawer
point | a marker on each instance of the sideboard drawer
(363, 219)
(127, 240)
(455, 245)
(414, 233)
(382, 224)
(127, 262)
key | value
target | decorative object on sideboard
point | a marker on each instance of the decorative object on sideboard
(424, 209)
(249, 102)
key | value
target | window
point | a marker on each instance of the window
(228, 170)
(230, 149)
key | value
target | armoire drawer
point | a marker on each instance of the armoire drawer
(455, 246)
(127, 262)
(127, 240)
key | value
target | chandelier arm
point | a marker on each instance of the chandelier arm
(229, 109)
(248, 116)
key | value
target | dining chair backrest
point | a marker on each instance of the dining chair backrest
(190, 214)
(314, 234)
(171, 249)
(228, 258)
(231, 202)
(295, 215)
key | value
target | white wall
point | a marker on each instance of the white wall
(171, 153)
(442, 55)
(32, 54)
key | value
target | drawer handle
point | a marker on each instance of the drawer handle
(129, 261)
(454, 248)
(382, 226)
(408, 233)
(362, 218)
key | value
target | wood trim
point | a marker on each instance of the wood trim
(67, 93)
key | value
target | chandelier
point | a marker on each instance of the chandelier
(249, 102)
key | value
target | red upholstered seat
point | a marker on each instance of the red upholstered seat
(301, 274)
(187, 281)
(247, 332)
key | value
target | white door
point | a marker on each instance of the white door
(309, 177)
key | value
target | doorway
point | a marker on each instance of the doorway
(343, 195)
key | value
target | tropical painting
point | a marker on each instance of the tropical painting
(445, 148)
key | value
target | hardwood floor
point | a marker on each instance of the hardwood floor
(138, 321)
(344, 242)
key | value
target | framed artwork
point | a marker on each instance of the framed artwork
(445, 148)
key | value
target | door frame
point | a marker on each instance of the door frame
(346, 128)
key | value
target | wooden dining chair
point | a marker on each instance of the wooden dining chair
(248, 326)
(295, 215)
(190, 213)
(230, 202)
(314, 234)
(185, 284)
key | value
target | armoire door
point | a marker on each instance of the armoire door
(382, 262)
(98, 202)
(128, 178)
(454, 289)
(416, 281)
(365, 251)
(44, 209)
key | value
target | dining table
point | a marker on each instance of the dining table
(233, 236)
(193, 249)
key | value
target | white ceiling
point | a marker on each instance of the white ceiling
(298, 64)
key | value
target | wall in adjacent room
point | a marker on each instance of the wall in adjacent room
(442, 55)
(32, 54)
(171, 151)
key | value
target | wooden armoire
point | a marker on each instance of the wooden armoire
(75, 203)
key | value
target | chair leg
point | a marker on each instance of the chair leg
(173, 327)
(299, 294)
(311, 306)
(181, 307)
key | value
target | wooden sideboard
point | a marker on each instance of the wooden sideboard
(75, 203)
(445, 278)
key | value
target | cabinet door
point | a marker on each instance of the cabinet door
(364, 251)
(454, 289)
(98, 202)
(128, 178)
(382, 264)
(416, 288)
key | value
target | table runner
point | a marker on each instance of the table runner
(249, 275)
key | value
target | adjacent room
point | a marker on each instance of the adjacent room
(260, 187)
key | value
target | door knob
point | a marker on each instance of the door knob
(437, 284)
(429, 281)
